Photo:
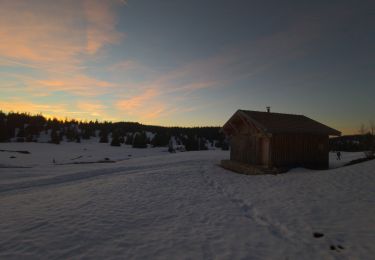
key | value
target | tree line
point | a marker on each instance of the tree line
(363, 141)
(24, 127)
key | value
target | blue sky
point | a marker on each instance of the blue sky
(188, 63)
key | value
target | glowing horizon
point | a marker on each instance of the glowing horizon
(152, 63)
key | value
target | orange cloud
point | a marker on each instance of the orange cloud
(36, 32)
(151, 104)
(101, 25)
(137, 101)
(154, 113)
(81, 111)
(47, 110)
(145, 107)
(55, 39)
(197, 85)
(40, 33)
(78, 84)
(125, 65)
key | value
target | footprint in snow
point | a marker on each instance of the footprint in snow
(332, 247)
(336, 248)
(318, 234)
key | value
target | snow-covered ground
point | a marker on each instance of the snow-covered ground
(156, 205)
(345, 158)
(42, 154)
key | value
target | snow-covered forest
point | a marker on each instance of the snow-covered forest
(23, 127)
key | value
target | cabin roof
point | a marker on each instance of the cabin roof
(270, 122)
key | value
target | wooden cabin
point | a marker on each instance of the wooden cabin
(278, 141)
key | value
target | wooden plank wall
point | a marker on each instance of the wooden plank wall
(291, 150)
(244, 149)
(244, 145)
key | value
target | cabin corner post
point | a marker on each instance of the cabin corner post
(326, 152)
(270, 159)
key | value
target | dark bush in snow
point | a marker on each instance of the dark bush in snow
(129, 139)
(140, 140)
(115, 141)
(103, 136)
(55, 137)
(160, 139)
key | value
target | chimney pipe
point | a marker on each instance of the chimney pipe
(268, 109)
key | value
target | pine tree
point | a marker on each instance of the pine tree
(160, 139)
(4, 137)
(115, 139)
(71, 134)
(3, 128)
(191, 143)
(140, 140)
(129, 139)
(55, 138)
(202, 142)
(103, 136)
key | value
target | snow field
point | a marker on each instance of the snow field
(158, 205)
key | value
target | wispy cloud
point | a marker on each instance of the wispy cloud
(169, 92)
(77, 84)
(81, 110)
(100, 25)
(58, 33)
(55, 40)
(125, 65)
(136, 101)
(48, 110)
(53, 46)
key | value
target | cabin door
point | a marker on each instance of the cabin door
(264, 151)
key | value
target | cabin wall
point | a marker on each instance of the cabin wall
(264, 151)
(243, 149)
(244, 144)
(250, 149)
(292, 150)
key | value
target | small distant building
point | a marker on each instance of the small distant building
(265, 140)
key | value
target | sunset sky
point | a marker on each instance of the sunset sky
(188, 63)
